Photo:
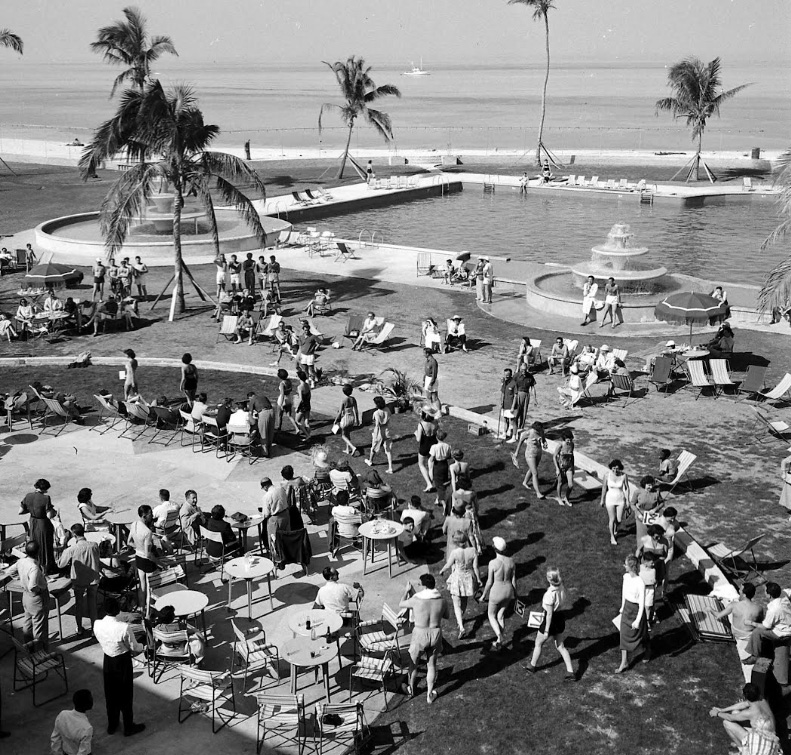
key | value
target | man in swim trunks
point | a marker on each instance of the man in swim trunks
(429, 609)
(430, 373)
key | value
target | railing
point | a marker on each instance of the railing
(371, 237)
(277, 209)
(440, 179)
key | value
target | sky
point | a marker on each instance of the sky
(438, 31)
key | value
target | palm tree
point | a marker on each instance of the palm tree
(359, 91)
(126, 43)
(164, 134)
(541, 10)
(9, 39)
(776, 291)
(697, 87)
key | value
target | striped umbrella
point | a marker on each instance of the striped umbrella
(52, 273)
(689, 308)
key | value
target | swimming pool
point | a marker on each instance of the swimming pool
(720, 241)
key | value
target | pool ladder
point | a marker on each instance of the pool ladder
(372, 238)
(488, 186)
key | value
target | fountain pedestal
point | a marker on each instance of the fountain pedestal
(160, 214)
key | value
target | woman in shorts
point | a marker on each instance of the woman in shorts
(554, 604)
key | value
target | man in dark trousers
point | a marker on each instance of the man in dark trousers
(247, 150)
(118, 644)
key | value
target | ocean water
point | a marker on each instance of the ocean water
(487, 107)
(712, 241)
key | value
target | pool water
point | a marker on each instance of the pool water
(718, 241)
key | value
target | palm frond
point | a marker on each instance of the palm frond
(243, 206)
(12, 41)
(381, 122)
(233, 169)
(126, 200)
(540, 7)
(329, 106)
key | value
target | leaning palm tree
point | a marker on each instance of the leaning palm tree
(776, 291)
(164, 134)
(126, 43)
(697, 89)
(359, 91)
(541, 10)
(9, 39)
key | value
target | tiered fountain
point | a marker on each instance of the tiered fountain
(160, 214)
(618, 258)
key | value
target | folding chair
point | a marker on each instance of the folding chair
(192, 427)
(226, 551)
(279, 713)
(228, 327)
(19, 405)
(721, 555)
(622, 383)
(341, 722)
(754, 380)
(411, 182)
(161, 655)
(720, 374)
(30, 667)
(620, 354)
(698, 377)
(305, 197)
(106, 411)
(747, 183)
(661, 373)
(594, 184)
(271, 327)
(572, 180)
(254, 654)
(205, 692)
(239, 440)
(623, 184)
(324, 194)
(381, 338)
(775, 427)
(301, 201)
(685, 460)
(610, 183)
(315, 198)
(780, 390)
(354, 326)
(54, 409)
(538, 357)
(344, 252)
(211, 435)
(165, 420)
(343, 527)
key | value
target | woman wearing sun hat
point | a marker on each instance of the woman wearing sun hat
(500, 589)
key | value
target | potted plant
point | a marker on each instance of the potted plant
(398, 386)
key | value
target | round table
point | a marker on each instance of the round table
(249, 568)
(185, 603)
(99, 536)
(120, 519)
(242, 527)
(693, 353)
(302, 652)
(319, 619)
(385, 530)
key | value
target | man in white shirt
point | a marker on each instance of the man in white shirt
(420, 517)
(73, 733)
(35, 596)
(118, 643)
(776, 627)
(191, 516)
(488, 280)
(605, 362)
(457, 335)
(165, 509)
(52, 303)
(335, 596)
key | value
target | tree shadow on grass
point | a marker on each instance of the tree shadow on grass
(385, 740)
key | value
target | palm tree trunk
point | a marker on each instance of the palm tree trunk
(346, 151)
(178, 273)
(543, 95)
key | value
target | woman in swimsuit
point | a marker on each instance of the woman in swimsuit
(438, 457)
(614, 497)
(564, 466)
(189, 378)
(285, 401)
(535, 443)
(500, 589)
(463, 581)
(348, 417)
(303, 407)
(426, 435)
(130, 374)
(380, 435)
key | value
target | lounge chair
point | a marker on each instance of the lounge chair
(622, 383)
(289, 238)
(228, 327)
(354, 326)
(747, 184)
(572, 347)
(55, 409)
(754, 380)
(411, 182)
(594, 184)
(661, 373)
(392, 183)
(720, 374)
(538, 357)
(302, 202)
(381, 338)
(573, 180)
(780, 390)
(324, 194)
(623, 184)
(313, 198)
(620, 354)
(684, 460)
(138, 417)
(640, 185)
(590, 381)
(775, 427)
(106, 412)
(721, 554)
(698, 377)
(344, 252)
(610, 184)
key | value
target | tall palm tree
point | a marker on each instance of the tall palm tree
(776, 291)
(126, 43)
(359, 91)
(698, 94)
(164, 134)
(9, 39)
(541, 10)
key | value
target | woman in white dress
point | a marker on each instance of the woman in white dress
(431, 335)
(615, 497)
(589, 291)
(463, 581)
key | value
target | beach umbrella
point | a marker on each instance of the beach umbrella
(53, 273)
(690, 308)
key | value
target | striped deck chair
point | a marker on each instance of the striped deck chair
(315, 198)
(721, 554)
(780, 390)
(324, 194)
(54, 409)
(594, 184)
(623, 184)
(721, 375)
(621, 383)
(698, 377)
(775, 427)
(754, 380)
(300, 201)
(280, 714)
(107, 412)
(381, 338)
(228, 327)
(685, 460)
(620, 354)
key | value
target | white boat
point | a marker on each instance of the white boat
(417, 70)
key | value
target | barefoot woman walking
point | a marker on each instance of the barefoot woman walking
(500, 589)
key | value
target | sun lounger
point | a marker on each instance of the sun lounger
(344, 252)
(289, 238)
(573, 180)
(685, 460)
(393, 183)
(623, 184)
(106, 412)
(775, 427)
(726, 558)
(594, 184)
(698, 377)
(305, 197)
(538, 357)
(747, 184)
(620, 354)
(354, 326)
(661, 373)
(610, 184)
(55, 409)
(720, 374)
(411, 182)
(640, 185)
(299, 200)
(381, 338)
(313, 198)
(753, 382)
(324, 194)
(780, 390)
(622, 383)
(228, 327)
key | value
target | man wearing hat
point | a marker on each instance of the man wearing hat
(488, 281)
(605, 362)
(99, 271)
(457, 335)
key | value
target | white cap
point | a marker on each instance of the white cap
(670, 343)
(498, 543)
(604, 347)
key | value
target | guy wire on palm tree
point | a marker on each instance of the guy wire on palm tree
(166, 138)
(541, 10)
(697, 95)
(126, 43)
(776, 291)
(359, 92)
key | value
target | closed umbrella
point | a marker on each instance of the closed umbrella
(688, 307)
(53, 273)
